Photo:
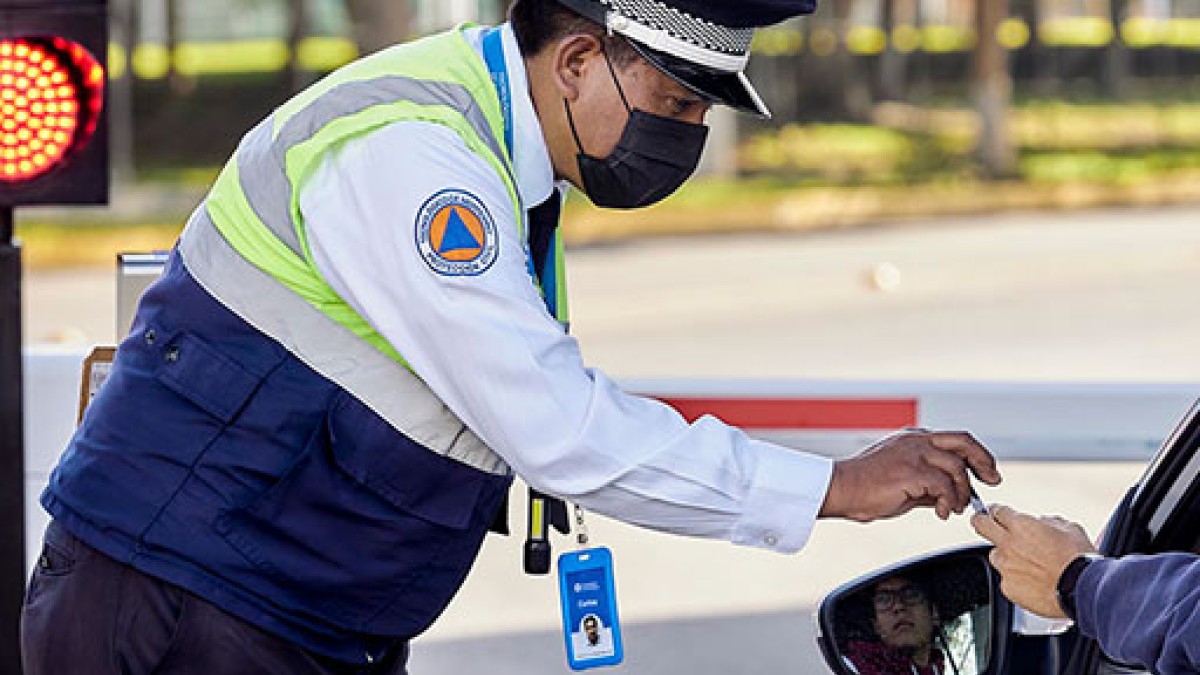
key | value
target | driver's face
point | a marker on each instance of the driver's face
(903, 615)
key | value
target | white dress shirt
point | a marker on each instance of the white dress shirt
(488, 347)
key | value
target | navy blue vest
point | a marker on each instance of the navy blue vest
(214, 459)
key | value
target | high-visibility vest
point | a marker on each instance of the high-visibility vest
(258, 443)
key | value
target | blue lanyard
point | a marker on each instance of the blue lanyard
(493, 54)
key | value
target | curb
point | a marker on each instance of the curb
(829, 208)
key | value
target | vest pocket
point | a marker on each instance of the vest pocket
(170, 396)
(364, 517)
(204, 376)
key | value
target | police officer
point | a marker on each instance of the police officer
(360, 339)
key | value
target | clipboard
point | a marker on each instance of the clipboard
(96, 369)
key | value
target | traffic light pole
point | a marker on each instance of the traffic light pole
(12, 453)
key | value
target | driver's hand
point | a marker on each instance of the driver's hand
(1031, 554)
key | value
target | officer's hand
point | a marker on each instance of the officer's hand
(1031, 554)
(906, 470)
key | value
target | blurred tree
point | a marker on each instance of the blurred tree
(1040, 57)
(920, 85)
(1116, 54)
(855, 93)
(297, 28)
(891, 61)
(126, 21)
(178, 81)
(379, 23)
(992, 89)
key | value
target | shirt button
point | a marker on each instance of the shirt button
(172, 355)
(771, 540)
(151, 337)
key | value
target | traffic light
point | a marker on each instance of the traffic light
(53, 150)
(53, 137)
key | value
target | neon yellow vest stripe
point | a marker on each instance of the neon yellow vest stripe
(255, 203)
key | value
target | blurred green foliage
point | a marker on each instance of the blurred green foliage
(1056, 142)
(911, 163)
(1123, 166)
(846, 154)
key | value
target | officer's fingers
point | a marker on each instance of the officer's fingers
(934, 484)
(922, 503)
(971, 451)
(943, 508)
(956, 470)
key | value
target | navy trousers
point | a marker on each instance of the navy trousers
(86, 614)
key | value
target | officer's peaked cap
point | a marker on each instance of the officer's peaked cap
(702, 44)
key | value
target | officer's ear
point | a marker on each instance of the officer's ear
(573, 56)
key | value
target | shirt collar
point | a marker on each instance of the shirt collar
(531, 157)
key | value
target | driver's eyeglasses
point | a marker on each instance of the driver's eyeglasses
(909, 596)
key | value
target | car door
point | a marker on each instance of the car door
(987, 635)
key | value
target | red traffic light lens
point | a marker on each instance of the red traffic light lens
(51, 94)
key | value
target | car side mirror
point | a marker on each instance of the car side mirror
(940, 614)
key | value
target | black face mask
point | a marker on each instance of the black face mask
(654, 156)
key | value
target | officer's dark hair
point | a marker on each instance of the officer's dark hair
(538, 23)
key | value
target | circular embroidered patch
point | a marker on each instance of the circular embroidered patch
(456, 234)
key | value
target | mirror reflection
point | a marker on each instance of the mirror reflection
(924, 620)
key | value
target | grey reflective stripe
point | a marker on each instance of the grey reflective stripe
(383, 385)
(263, 176)
(262, 161)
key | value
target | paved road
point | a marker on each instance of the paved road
(1102, 296)
(1093, 296)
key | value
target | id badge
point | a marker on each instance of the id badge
(589, 609)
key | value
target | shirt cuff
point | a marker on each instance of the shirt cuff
(784, 500)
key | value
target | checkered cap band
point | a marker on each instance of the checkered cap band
(685, 27)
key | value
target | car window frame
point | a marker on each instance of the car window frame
(1165, 501)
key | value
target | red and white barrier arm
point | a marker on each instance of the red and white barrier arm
(1033, 421)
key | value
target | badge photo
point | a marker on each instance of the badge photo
(456, 235)
(591, 629)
